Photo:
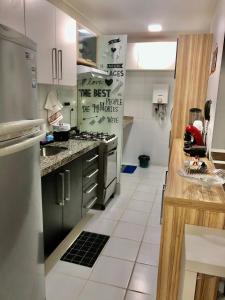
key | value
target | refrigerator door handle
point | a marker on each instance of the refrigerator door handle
(29, 142)
(67, 182)
(19, 126)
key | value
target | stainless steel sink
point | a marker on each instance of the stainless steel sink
(51, 150)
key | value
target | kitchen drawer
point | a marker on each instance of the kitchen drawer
(90, 159)
(89, 193)
(90, 176)
(88, 205)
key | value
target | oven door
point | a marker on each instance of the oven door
(111, 166)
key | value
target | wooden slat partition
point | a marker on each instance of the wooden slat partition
(192, 73)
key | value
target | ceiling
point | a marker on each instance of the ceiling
(133, 16)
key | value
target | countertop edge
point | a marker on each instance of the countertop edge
(66, 160)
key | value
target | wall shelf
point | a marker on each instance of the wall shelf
(84, 62)
(127, 120)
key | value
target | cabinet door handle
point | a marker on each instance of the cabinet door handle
(60, 64)
(67, 183)
(93, 158)
(92, 174)
(54, 63)
(162, 204)
(60, 189)
(91, 189)
(166, 177)
(91, 203)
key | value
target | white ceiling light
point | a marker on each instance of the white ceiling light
(154, 27)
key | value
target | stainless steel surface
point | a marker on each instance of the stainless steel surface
(110, 166)
(67, 183)
(92, 174)
(21, 230)
(60, 189)
(21, 227)
(18, 82)
(92, 159)
(94, 186)
(6, 129)
(93, 136)
(109, 191)
(51, 150)
(85, 72)
(91, 203)
(15, 37)
(16, 145)
(107, 162)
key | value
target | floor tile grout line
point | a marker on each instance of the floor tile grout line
(140, 243)
(130, 199)
(136, 258)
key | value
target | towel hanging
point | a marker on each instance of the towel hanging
(53, 106)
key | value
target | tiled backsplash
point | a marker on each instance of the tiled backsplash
(65, 94)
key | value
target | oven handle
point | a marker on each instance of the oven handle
(111, 152)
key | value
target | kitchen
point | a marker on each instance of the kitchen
(74, 226)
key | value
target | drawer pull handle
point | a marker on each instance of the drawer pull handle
(162, 204)
(91, 189)
(92, 174)
(91, 159)
(91, 203)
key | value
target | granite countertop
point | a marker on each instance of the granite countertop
(76, 148)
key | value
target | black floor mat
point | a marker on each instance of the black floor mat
(86, 249)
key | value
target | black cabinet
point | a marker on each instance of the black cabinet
(62, 203)
(52, 213)
(73, 195)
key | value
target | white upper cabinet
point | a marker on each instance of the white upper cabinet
(12, 14)
(66, 48)
(151, 56)
(40, 27)
(55, 35)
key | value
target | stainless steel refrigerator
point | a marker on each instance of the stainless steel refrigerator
(21, 228)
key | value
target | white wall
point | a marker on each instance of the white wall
(218, 30)
(147, 135)
(65, 94)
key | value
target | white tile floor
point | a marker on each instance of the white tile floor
(127, 267)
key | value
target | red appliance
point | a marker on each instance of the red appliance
(196, 134)
(193, 142)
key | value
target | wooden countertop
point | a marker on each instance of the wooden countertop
(180, 192)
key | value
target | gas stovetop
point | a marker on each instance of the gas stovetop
(94, 136)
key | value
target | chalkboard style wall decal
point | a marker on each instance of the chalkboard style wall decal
(101, 101)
